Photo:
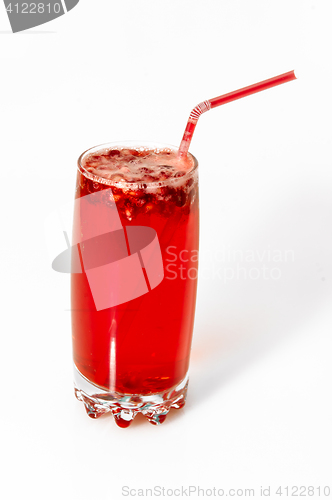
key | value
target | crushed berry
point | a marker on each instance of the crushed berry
(141, 167)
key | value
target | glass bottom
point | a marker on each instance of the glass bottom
(125, 407)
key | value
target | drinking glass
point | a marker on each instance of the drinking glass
(133, 288)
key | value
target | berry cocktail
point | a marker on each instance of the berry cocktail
(136, 212)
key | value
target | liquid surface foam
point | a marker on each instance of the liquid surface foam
(137, 165)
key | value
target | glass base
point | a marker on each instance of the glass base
(125, 407)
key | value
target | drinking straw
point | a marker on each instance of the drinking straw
(223, 99)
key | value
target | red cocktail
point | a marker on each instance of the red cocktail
(134, 292)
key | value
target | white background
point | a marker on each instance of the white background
(259, 405)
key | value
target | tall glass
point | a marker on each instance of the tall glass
(134, 280)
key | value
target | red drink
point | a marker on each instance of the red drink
(139, 347)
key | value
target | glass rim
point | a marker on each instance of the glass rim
(135, 185)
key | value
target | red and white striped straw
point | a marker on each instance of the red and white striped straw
(223, 99)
